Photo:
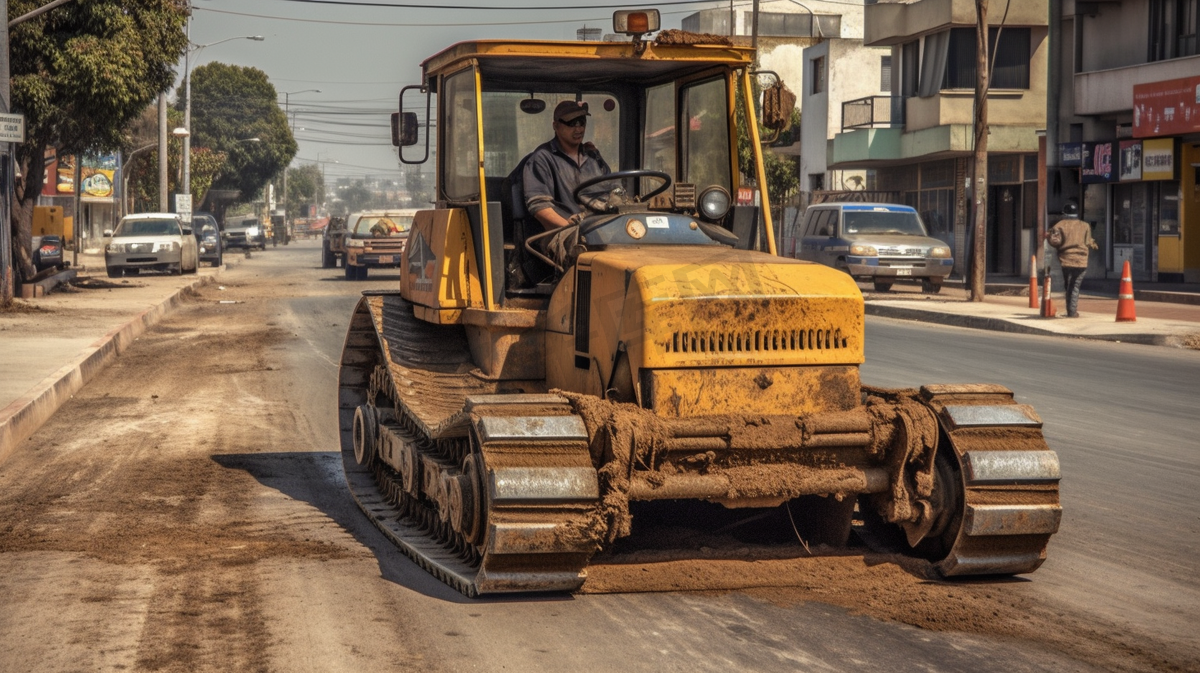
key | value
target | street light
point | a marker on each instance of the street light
(186, 179)
(286, 99)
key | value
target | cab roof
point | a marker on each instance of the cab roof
(522, 63)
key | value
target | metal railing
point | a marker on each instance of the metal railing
(873, 112)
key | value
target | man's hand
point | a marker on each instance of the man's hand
(575, 219)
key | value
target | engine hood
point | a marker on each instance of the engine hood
(685, 307)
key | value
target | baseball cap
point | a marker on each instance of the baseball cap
(569, 110)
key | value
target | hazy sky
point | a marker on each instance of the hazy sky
(359, 56)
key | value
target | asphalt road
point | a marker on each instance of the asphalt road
(187, 512)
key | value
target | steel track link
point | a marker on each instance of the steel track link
(1008, 478)
(538, 489)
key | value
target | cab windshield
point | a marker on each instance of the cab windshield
(383, 225)
(869, 222)
(163, 227)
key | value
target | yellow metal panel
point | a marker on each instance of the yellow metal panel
(684, 393)
(730, 308)
(483, 210)
(491, 49)
(760, 170)
(439, 269)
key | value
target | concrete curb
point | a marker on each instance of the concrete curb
(20, 419)
(999, 325)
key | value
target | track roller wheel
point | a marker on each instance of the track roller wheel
(365, 433)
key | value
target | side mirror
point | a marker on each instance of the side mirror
(108, 233)
(404, 129)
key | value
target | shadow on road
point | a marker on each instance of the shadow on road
(317, 479)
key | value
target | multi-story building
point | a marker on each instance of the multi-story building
(920, 140)
(1123, 134)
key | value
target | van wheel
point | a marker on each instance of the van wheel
(931, 287)
(351, 272)
(115, 272)
(882, 286)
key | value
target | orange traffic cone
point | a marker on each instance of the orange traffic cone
(1125, 310)
(1047, 303)
(1033, 288)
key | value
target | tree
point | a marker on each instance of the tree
(143, 171)
(80, 74)
(783, 172)
(230, 105)
(356, 196)
(304, 187)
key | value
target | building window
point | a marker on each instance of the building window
(910, 67)
(1010, 57)
(779, 24)
(816, 182)
(817, 75)
(1173, 29)
(885, 74)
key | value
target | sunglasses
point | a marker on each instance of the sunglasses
(582, 121)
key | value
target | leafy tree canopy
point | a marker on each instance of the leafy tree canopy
(305, 186)
(80, 73)
(230, 105)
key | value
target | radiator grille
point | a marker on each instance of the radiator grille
(899, 251)
(583, 309)
(756, 341)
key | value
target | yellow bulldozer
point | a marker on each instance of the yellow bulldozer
(506, 420)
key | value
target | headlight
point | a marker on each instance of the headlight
(166, 246)
(714, 203)
(118, 247)
(252, 232)
(201, 250)
(863, 250)
(940, 252)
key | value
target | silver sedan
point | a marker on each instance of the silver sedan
(155, 241)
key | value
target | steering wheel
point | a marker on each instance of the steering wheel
(587, 203)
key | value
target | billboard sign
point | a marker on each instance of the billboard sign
(1158, 159)
(1131, 160)
(1166, 108)
(1098, 163)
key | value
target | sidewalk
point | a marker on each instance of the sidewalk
(49, 352)
(1164, 318)
(55, 344)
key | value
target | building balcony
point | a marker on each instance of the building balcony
(887, 23)
(873, 112)
(1111, 91)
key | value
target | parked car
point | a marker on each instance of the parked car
(333, 243)
(47, 252)
(376, 239)
(208, 239)
(244, 231)
(155, 241)
(881, 243)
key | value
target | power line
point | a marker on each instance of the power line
(479, 7)
(453, 24)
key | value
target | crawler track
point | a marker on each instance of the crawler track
(495, 493)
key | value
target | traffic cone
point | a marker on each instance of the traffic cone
(1125, 310)
(1033, 288)
(1048, 303)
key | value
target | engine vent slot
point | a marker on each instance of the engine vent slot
(583, 310)
(756, 341)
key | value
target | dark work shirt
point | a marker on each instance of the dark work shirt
(551, 177)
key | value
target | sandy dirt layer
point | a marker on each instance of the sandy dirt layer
(140, 501)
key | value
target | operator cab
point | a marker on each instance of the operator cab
(662, 118)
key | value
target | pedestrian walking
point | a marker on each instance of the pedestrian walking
(1072, 238)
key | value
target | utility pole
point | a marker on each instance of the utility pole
(7, 289)
(162, 153)
(979, 196)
